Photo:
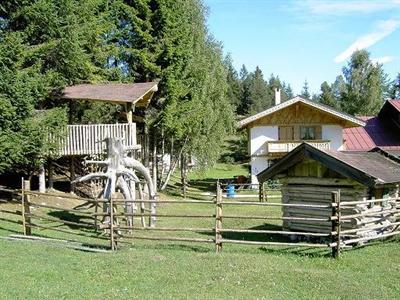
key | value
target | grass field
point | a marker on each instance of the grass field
(175, 270)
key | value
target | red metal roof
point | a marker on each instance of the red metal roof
(374, 134)
(395, 103)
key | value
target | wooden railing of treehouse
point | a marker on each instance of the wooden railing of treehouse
(87, 139)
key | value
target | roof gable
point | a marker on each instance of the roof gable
(348, 119)
(369, 168)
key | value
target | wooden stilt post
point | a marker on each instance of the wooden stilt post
(72, 173)
(112, 241)
(336, 226)
(218, 219)
(42, 179)
(25, 211)
(50, 175)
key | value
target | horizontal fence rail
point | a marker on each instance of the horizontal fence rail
(375, 219)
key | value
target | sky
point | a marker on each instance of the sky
(309, 40)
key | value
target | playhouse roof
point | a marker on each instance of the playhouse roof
(351, 120)
(138, 94)
(375, 167)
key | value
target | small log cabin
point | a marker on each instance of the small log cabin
(278, 130)
(309, 175)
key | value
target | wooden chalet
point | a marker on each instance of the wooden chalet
(280, 129)
(309, 175)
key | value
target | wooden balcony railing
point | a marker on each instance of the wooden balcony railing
(87, 139)
(287, 146)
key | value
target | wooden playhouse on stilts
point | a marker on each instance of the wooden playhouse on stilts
(88, 140)
(368, 183)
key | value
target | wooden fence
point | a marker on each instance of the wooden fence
(115, 232)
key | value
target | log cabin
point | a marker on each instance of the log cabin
(278, 130)
(309, 175)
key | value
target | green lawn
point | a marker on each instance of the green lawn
(181, 270)
(177, 270)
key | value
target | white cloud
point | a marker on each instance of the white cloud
(384, 29)
(347, 7)
(383, 59)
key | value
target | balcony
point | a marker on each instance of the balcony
(276, 147)
(88, 139)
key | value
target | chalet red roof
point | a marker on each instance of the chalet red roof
(135, 93)
(373, 134)
(395, 103)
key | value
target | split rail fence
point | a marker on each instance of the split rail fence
(116, 231)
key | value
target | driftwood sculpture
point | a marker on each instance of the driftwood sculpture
(120, 175)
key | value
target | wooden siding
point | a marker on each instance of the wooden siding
(318, 191)
(300, 114)
(88, 139)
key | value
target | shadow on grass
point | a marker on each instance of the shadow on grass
(277, 238)
(170, 245)
(70, 217)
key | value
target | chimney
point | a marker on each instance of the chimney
(277, 96)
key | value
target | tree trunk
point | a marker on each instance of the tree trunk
(50, 175)
(72, 173)
(146, 146)
(154, 167)
(183, 171)
(42, 179)
(162, 169)
(173, 164)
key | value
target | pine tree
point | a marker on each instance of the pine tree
(288, 91)
(258, 93)
(327, 97)
(44, 45)
(395, 88)
(243, 73)
(304, 92)
(245, 102)
(234, 86)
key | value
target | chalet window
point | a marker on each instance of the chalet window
(286, 133)
(307, 132)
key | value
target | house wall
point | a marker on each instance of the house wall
(259, 135)
(334, 133)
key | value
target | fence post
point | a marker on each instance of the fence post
(218, 219)
(112, 241)
(26, 220)
(261, 192)
(336, 224)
